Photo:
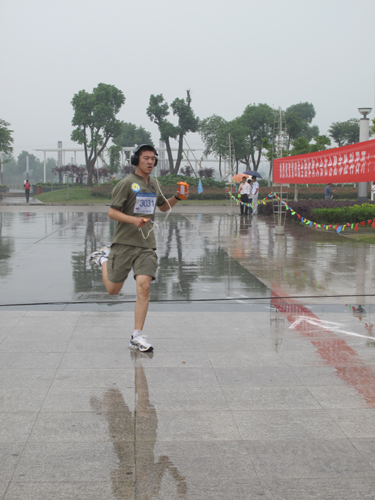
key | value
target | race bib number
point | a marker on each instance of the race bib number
(145, 203)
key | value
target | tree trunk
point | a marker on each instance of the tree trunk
(90, 165)
(170, 157)
(179, 154)
(221, 175)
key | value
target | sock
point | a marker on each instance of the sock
(136, 333)
(102, 260)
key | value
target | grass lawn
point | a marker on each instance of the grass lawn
(77, 196)
(83, 196)
(366, 238)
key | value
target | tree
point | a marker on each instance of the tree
(302, 146)
(95, 121)
(321, 143)
(238, 137)
(344, 133)
(257, 121)
(6, 141)
(298, 118)
(131, 135)
(213, 132)
(206, 173)
(158, 110)
(35, 172)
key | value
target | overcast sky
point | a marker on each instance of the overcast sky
(228, 53)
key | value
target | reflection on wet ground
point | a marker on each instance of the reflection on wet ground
(48, 254)
(201, 257)
(266, 390)
(134, 435)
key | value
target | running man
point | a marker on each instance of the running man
(134, 200)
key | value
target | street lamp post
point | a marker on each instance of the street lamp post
(364, 134)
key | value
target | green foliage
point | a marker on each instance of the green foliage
(130, 135)
(257, 121)
(95, 121)
(77, 195)
(298, 118)
(302, 146)
(321, 143)
(158, 110)
(104, 191)
(344, 133)
(55, 185)
(214, 136)
(344, 215)
(6, 139)
(171, 180)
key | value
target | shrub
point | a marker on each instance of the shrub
(104, 191)
(326, 212)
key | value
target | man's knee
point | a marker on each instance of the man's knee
(113, 288)
(143, 285)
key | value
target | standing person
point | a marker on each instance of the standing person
(372, 191)
(255, 194)
(250, 196)
(134, 200)
(244, 190)
(328, 192)
(27, 190)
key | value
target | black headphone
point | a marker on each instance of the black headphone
(134, 159)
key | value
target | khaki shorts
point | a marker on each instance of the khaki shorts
(122, 258)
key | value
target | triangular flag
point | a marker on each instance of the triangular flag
(200, 187)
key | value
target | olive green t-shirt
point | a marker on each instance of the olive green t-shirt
(132, 196)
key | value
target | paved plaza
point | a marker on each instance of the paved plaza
(261, 385)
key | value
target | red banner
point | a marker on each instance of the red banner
(353, 163)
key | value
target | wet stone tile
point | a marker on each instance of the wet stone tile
(316, 458)
(76, 378)
(93, 490)
(187, 426)
(342, 488)
(355, 423)
(288, 425)
(9, 456)
(270, 398)
(83, 427)
(16, 427)
(76, 462)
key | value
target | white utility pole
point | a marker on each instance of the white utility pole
(364, 134)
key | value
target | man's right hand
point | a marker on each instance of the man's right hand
(140, 221)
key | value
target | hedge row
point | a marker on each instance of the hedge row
(326, 212)
(356, 213)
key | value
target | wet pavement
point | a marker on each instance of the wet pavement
(262, 383)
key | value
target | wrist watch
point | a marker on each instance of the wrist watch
(177, 198)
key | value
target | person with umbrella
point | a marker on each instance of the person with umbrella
(244, 190)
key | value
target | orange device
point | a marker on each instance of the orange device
(145, 220)
(182, 189)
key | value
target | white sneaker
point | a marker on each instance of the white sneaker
(139, 343)
(95, 257)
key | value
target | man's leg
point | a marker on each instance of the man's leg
(112, 288)
(241, 204)
(143, 297)
(255, 202)
(137, 340)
